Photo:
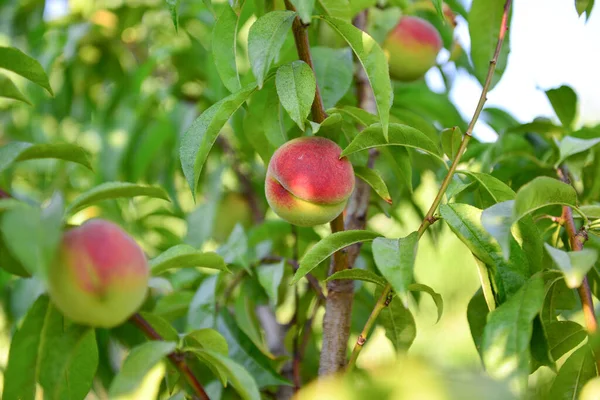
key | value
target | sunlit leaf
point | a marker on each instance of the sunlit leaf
(224, 45)
(10, 91)
(21, 64)
(22, 151)
(326, 247)
(374, 62)
(296, 87)
(186, 256)
(574, 264)
(265, 38)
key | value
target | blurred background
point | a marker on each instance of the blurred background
(127, 87)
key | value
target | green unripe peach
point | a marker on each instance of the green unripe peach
(412, 48)
(100, 276)
(307, 183)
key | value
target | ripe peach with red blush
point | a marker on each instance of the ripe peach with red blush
(412, 48)
(100, 276)
(307, 182)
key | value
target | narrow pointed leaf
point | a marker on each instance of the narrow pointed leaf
(374, 179)
(172, 5)
(200, 137)
(186, 256)
(265, 38)
(270, 276)
(358, 275)
(499, 190)
(484, 19)
(508, 332)
(21, 64)
(399, 135)
(10, 91)
(564, 336)
(22, 151)
(208, 339)
(374, 62)
(114, 190)
(224, 44)
(336, 8)
(359, 115)
(326, 247)
(579, 368)
(435, 296)
(296, 87)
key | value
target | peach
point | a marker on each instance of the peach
(412, 48)
(307, 183)
(100, 276)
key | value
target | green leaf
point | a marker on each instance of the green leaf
(140, 360)
(21, 64)
(336, 8)
(497, 220)
(359, 115)
(540, 192)
(592, 211)
(114, 190)
(334, 71)
(224, 44)
(162, 326)
(399, 324)
(440, 11)
(208, 339)
(570, 145)
(508, 332)
(32, 235)
(564, 102)
(186, 256)
(574, 264)
(173, 4)
(200, 137)
(399, 135)
(484, 20)
(358, 275)
(499, 190)
(22, 151)
(374, 179)
(270, 276)
(62, 357)
(477, 312)
(579, 368)
(296, 87)
(374, 62)
(451, 139)
(68, 358)
(564, 336)
(23, 359)
(201, 312)
(304, 9)
(240, 379)
(395, 259)
(506, 275)
(265, 38)
(326, 247)
(436, 297)
(10, 91)
(244, 352)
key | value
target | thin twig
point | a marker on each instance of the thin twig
(429, 217)
(176, 357)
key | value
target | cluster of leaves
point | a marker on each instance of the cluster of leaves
(129, 81)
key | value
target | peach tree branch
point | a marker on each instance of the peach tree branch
(429, 217)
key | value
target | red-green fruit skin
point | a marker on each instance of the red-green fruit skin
(100, 277)
(307, 183)
(412, 48)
